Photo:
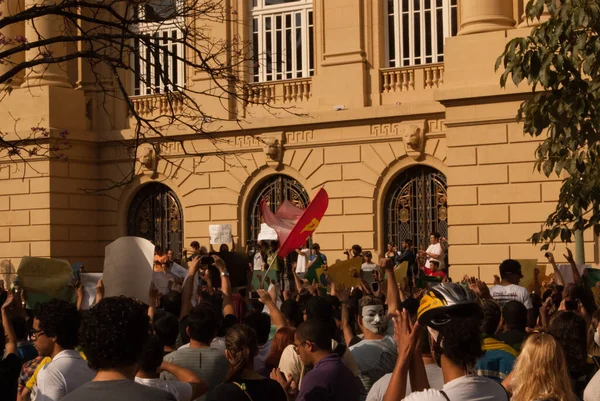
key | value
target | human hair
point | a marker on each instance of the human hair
(592, 347)
(203, 323)
(166, 328)
(316, 246)
(491, 317)
(240, 342)
(356, 250)
(19, 324)
(316, 332)
(60, 319)
(408, 242)
(508, 267)
(539, 372)
(515, 315)
(224, 248)
(368, 300)
(283, 337)
(436, 235)
(292, 312)
(152, 356)
(171, 302)
(114, 332)
(570, 330)
(195, 245)
(158, 250)
(461, 341)
(261, 324)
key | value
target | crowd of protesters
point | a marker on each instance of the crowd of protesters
(425, 338)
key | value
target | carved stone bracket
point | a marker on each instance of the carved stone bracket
(411, 132)
(148, 159)
(274, 149)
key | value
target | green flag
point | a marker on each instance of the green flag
(311, 273)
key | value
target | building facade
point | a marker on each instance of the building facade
(393, 106)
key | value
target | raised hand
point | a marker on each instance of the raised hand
(9, 300)
(406, 334)
(264, 296)
(569, 256)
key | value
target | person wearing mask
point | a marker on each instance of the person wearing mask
(539, 372)
(329, 379)
(188, 385)
(243, 383)
(499, 358)
(434, 251)
(10, 365)
(509, 288)
(113, 335)
(55, 332)
(208, 363)
(514, 322)
(451, 314)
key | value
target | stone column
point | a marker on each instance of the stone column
(14, 34)
(42, 28)
(485, 16)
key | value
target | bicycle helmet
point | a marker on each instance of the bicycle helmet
(445, 301)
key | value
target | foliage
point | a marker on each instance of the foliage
(560, 60)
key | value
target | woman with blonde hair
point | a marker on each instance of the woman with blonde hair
(593, 337)
(540, 372)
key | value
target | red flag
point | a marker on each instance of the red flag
(293, 225)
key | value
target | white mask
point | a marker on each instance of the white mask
(374, 319)
(597, 338)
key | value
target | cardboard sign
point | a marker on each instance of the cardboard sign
(89, 281)
(346, 272)
(220, 234)
(44, 279)
(567, 272)
(262, 279)
(527, 267)
(401, 272)
(267, 233)
(178, 270)
(128, 268)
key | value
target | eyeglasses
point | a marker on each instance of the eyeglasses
(35, 334)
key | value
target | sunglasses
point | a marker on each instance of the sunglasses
(34, 334)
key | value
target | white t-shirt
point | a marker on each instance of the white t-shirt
(437, 250)
(181, 391)
(258, 261)
(592, 390)
(434, 376)
(504, 294)
(466, 388)
(302, 260)
(64, 374)
(368, 267)
(375, 358)
(263, 353)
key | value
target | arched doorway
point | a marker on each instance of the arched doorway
(156, 214)
(274, 189)
(416, 205)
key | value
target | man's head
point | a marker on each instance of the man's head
(316, 248)
(152, 356)
(55, 327)
(514, 314)
(113, 334)
(372, 315)
(406, 244)
(274, 245)
(166, 328)
(356, 250)
(491, 317)
(203, 251)
(170, 255)
(434, 238)
(261, 323)
(195, 246)
(224, 248)
(434, 264)
(368, 257)
(203, 323)
(510, 270)
(158, 250)
(312, 337)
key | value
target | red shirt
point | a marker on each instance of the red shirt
(429, 272)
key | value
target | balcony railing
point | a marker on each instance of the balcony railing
(412, 78)
(279, 92)
(157, 104)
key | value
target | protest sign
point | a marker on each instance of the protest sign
(567, 272)
(311, 273)
(262, 279)
(89, 281)
(267, 233)
(44, 279)
(220, 234)
(401, 272)
(527, 267)
(128, 268)
(178, 270)
(346, 272)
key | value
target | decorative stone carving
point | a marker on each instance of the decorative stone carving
(273, 148)
(148, 158)
(414, 141)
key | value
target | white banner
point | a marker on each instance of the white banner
(89, 281)
(567, 272)
(220, 234)
(128, 267)
(267, 233)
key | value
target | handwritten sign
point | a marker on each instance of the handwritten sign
(128, 268)
(44, 279)
(220, 234)
(267, 233)
(89, 282)
(346, 272)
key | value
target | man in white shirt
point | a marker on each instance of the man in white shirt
(509, 288)
(435, 251)
(55, 331)
(302, 262)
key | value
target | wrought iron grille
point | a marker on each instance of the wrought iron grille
(416, 206)
(275, 190)
(156, 214)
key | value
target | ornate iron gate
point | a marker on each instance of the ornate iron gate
(275, 190)
(416, 205)
(156, 214)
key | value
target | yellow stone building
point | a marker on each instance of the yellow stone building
(396, 110)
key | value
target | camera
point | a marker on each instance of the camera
(571, 305)
(346, 253)
(207, 260)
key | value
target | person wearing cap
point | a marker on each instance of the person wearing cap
(452, 315)
(509, 288)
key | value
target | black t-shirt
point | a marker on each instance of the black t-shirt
(10, 367)
(258, 390)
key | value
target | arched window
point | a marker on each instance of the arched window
(416, 205)
(156, 214)
(282, 39)
(274, 190)
(417, 29)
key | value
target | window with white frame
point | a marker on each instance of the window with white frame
(158, 53)
(282, 39)
(417, 29)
